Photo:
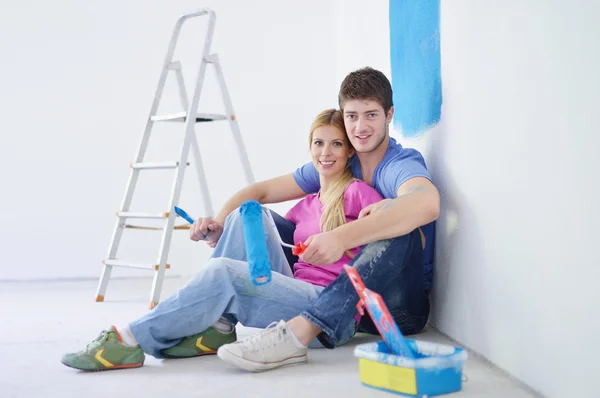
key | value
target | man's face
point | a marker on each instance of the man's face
(366, 124)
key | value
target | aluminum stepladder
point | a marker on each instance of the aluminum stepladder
(189, 118)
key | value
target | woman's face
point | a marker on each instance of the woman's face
(330, 150)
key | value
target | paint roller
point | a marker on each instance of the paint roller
(256, 244)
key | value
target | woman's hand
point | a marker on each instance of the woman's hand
(206, 229)
(370, 209)
(323, 249)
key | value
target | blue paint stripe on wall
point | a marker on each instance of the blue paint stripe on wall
(415, 64)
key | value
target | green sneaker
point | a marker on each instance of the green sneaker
(205, 343)
(106, 353)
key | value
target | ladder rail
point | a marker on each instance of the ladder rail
(235, 129)
(139, 157)
(206, 200)
(190, 132)
(168, 60)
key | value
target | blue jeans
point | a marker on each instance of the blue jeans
(394, 268)
(223, 289)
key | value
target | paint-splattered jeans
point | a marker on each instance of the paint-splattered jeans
(394, 269)
(223, 288)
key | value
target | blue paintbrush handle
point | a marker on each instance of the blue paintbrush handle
(187, 218)
(184, 215)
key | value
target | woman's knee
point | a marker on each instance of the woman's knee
(217, 264)
(226, 265)
(235, 217)
(214, 268)
(216, 271)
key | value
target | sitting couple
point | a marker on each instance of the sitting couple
(366, 201)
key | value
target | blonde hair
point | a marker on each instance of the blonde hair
(333, 198)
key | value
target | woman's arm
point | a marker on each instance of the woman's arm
(276, 190)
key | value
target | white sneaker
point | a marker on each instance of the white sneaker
(269, 349)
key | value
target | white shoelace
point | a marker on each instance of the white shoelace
(266, 339)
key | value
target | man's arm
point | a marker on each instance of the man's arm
(417, 204)
(275, 190)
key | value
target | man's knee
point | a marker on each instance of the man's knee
(372, 253)
(386, 250)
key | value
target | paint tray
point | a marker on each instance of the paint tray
(404, 366)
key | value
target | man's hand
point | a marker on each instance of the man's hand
(370, 209)
(206, 229)
(323, 249)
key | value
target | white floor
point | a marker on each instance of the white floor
(41, 321)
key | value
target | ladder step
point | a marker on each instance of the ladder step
(128, 214)
(125, 264)
(176, 227)
(156, 165)
(182, 116)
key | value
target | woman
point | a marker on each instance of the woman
(200, 317)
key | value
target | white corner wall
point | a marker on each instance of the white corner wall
(515, 158)
(77, 82)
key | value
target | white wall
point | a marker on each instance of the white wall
(514, 155)
(77, 82)
(515, 158)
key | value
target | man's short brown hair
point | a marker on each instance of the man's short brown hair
(366, 84)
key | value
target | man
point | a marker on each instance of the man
(397, 231)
